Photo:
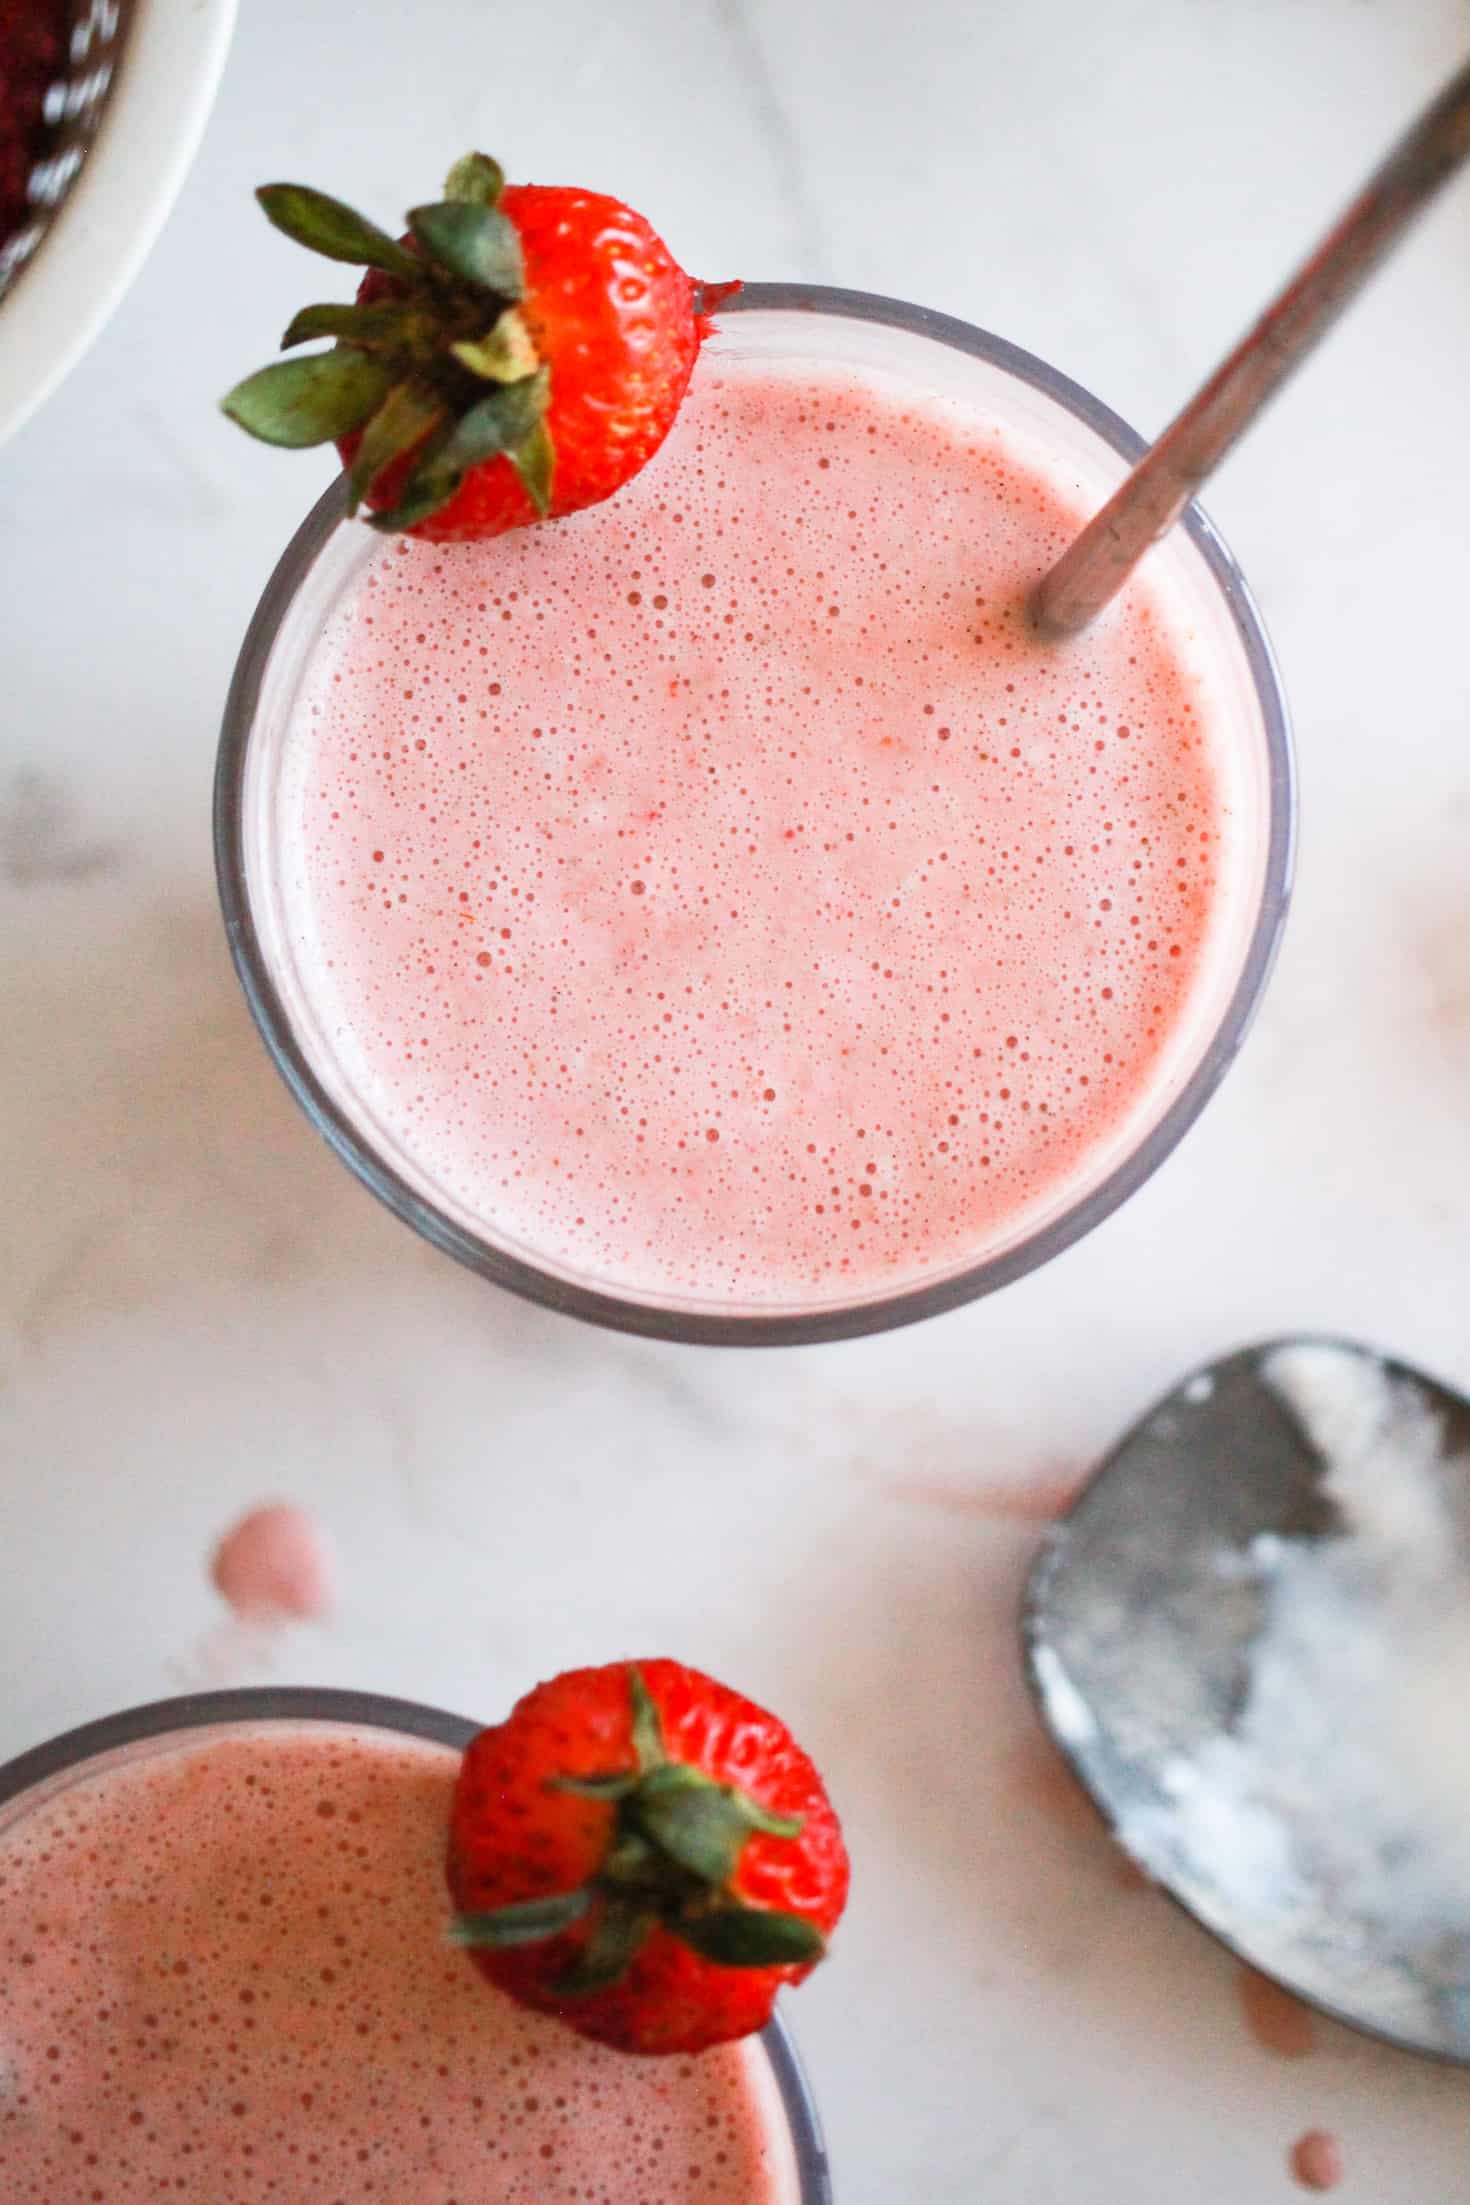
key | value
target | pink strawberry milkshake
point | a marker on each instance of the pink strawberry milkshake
(226, 1979)
(721, 894)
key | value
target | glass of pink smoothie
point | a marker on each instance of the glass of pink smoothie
(716, 914)
(224, 1970)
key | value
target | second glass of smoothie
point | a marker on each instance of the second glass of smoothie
(223, 1938)
(717, 914)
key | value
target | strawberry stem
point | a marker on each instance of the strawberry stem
(676, 1844)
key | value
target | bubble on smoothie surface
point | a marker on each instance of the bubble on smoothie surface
(228, 1980)
(1316, 2160)
(722, 892)
(273, 1563)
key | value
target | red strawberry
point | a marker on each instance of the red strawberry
(521, 352)
(646, 1854)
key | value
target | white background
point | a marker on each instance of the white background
(198, 1307)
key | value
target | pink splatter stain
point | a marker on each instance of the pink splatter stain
(1128, 1876)
(1279, 2023)
(1315, 2160)
(1039, 1779)
(1038, 1500)
(273, 1565)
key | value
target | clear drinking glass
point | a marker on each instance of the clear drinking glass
(117, 1740)
(949, 358)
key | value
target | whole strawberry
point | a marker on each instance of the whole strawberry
(522, 351)
(646, 1854)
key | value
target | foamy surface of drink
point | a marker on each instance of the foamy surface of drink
(721, 894)
(225, 1979)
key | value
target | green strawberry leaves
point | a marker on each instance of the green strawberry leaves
(408, 417)
(648, 1729)
(503, 355)
(296, 403)
(476, 179)
(700, 1825)
(525, 1924)
(751, 1937)
(324, 225)
(675, 1843)
(499, 423)
(477, 245)
(621, 1931)
(384, 325)
(534, 460)
(441, 372)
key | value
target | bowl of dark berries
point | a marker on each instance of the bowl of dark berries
(102, 105)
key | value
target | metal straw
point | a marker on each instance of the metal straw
(1171, 470)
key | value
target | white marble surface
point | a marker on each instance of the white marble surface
(198, 1307)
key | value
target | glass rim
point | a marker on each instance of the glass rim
(754, 1326)
(194, 1711)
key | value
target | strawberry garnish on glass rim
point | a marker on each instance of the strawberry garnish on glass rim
(521, 352)
(646, 1854)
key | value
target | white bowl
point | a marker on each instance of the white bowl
(150, 124)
